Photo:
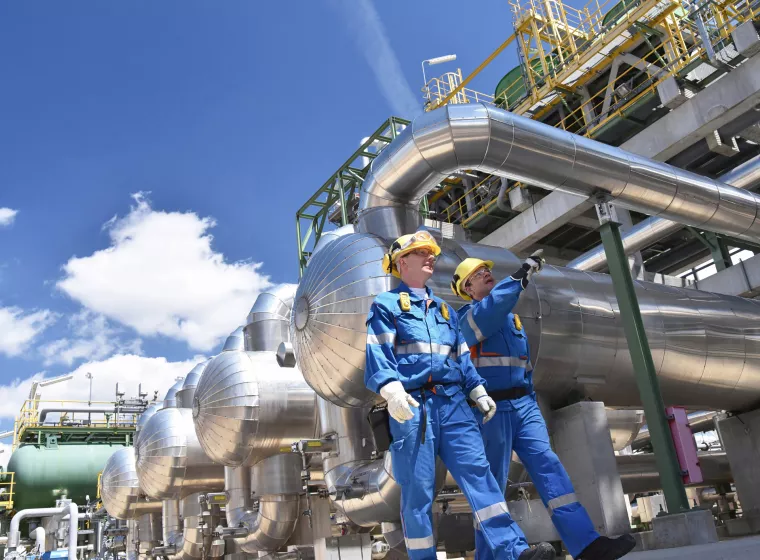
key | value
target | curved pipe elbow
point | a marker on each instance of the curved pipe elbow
(367, 494)
(272, 525)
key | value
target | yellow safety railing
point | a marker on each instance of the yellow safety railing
(438, 89)
(7, 487)
(679, 48)
(29, 416)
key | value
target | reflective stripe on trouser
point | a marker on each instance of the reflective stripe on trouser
(523, 429)
(451, 433)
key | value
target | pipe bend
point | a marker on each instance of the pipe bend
(482, 138)
(272, 525)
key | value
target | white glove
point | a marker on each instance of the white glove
(486, 405)
(398, 401)
(535, 263)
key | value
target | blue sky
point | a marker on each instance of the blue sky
(226, 116)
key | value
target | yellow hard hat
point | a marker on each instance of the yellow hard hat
(463, 273)
(406, 244)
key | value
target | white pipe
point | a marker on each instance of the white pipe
(39, 539)
(13, 536)
(73, 529)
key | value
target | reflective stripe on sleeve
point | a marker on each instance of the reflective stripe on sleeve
(474, 326)
(384, 338)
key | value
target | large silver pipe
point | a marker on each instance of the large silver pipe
(120, 487)
(706, 347)
(646, 232)
(189, 541)
(170, 460)
(171, 526)
(149, 533)
(247, 407)
(276, 482)
(700, 422)
(144, 417)
(484, 138)
(132, 539)
(362, 488)
(184, 395)
(269, 319)
(638, 472)
(170, 400)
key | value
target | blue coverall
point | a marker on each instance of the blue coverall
(501, 355)
(419, 348)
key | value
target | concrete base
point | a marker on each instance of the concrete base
(683, 529)
(739, 549)
(581, 438)
(741, 439)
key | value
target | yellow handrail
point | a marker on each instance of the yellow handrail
(7, 482)
(678, 48)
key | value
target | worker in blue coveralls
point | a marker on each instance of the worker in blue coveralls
(418, 361)
(500, 352)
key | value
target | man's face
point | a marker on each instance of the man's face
(480, 283)
(417, 266)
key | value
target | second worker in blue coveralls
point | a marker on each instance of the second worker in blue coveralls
(418, 361)
(500, 352)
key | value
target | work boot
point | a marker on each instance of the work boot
(542, 551)
(605, 548)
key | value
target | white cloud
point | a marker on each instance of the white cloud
(94, 339)
(7, 216)
(161, 276)
(372, 39)
(128, 370)
(19, 328)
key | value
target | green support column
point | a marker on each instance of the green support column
(643, 366)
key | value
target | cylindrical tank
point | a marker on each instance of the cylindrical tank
(144, 417)
(43, 475)
(706, 347)
(247, 408)
(120, 488)
(170, 461)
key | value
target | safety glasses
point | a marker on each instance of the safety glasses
(419, 237)
(479, 273)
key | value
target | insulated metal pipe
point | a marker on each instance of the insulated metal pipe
(706, 347)
(646, 232)
(269, 318)
(483, 138)
(362, 488)
(120, 487)
(276, 482)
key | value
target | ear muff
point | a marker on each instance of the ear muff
(454, 285)
(387, 263)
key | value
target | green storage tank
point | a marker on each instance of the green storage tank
(44, 474)
(511, 88)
